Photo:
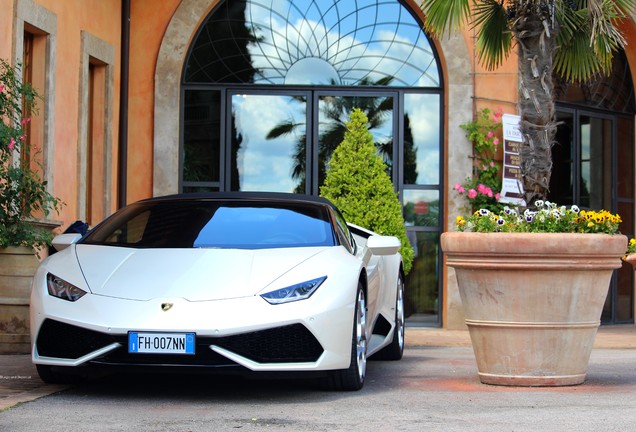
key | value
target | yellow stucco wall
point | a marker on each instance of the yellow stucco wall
(6, 28)
(100, 18)
(148, 22)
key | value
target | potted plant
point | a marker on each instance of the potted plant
(630, 254)
(24, 199)
(533, 287)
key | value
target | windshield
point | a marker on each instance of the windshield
(236, 224)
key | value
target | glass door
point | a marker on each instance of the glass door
(593, 169)
(582, 161)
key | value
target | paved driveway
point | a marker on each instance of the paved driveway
(431, 389)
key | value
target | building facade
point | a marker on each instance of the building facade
(145, 98)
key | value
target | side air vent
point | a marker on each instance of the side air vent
(288, 344)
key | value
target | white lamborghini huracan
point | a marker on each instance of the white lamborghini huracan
(247, 282)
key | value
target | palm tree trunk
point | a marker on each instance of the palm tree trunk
(535, 35)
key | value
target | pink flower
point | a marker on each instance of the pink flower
(11, 144)
(1, 88)
(492, 164)
(23, 137)
(482, 189)
(497, 114)
(489, 193)
(490, 134)
(472, 193)
(459, 188)
(25, 121)
(495, 141)
(497, 196)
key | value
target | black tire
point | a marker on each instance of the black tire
(52, 375)
(352, 378)
(395, 350)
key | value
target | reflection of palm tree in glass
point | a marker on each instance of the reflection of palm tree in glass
(410, 153)
(237, 139)
(335, 111)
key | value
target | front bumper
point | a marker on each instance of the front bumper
(309, 335)
(293, 343)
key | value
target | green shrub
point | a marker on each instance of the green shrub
(357, 183)
(24, 195)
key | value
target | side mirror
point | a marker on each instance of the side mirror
(383, 245)
(62, 241)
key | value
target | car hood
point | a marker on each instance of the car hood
(193, 274)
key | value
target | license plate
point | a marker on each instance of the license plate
(161, 343)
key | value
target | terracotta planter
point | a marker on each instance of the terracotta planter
(17, 267)
(533, 302)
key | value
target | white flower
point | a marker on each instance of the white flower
(510, 211)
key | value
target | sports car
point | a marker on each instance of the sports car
(229, 282)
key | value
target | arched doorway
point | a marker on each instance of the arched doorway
(266, 89)
(593, 162)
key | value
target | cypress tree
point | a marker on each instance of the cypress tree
(357, 183)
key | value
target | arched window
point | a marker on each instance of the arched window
(339, 42)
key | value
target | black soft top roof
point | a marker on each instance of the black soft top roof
(264, 196)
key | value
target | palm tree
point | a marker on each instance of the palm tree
(575, 39)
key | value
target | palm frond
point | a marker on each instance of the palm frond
(494, 39)
(569, 21)
(283, 128)
(575, 60)
(445, 15)
(589, 37)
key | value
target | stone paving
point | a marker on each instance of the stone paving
(19, 381)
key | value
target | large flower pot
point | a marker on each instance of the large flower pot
(533, 302)
(17, 267)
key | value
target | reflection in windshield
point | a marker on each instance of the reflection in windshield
(216, 224)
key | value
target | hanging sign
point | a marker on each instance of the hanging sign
(512, 184)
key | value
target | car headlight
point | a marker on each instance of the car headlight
(299, 291)
(61, 289)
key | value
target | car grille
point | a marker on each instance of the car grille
(61, 340)
(286, 344)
